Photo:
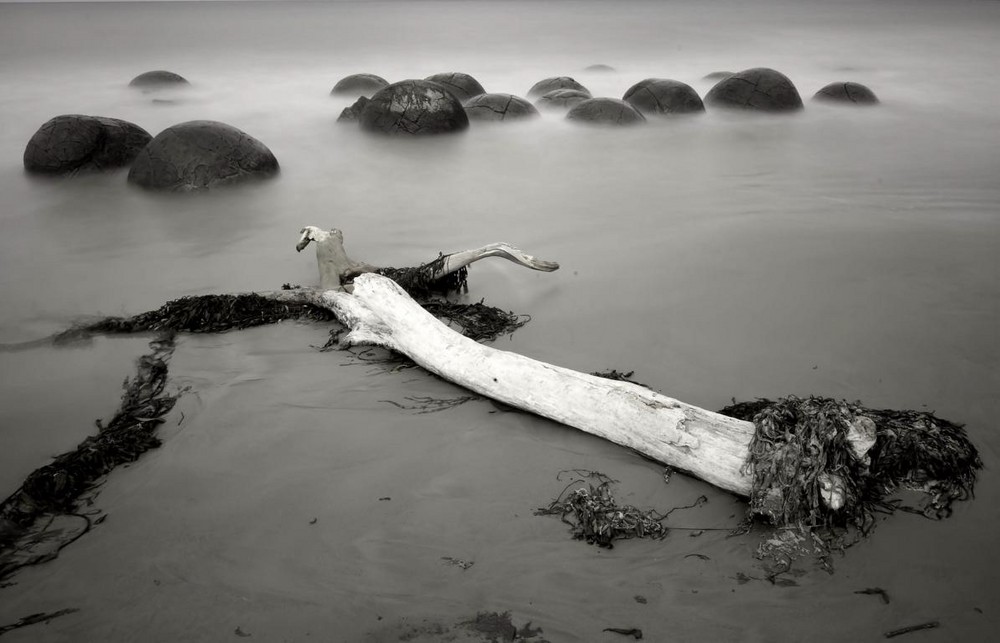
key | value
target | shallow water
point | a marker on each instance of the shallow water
(841, 252)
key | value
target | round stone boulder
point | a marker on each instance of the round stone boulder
(414, 107)
(201, 154)
(359, 85)
(74, 143)
(599, 68)
(463, 86)
(717, 75)
(547, 85)
(606, 111)
(761, 89)
(158, 78)
(847, 93)
(661, 96)
(499, 107)
(562, 99)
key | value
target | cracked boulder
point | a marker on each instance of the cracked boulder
(847, 93)
(74, 142)
(359, 85)
(761, 89)
(547, 85)
(499, 107)
(562, 99)
(606, 111)
(200, 154)
(157, 79)
(414, 107)
(463, 86)
(659, 96)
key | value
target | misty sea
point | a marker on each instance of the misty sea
(839, 251)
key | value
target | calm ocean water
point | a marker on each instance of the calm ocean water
(851, 253)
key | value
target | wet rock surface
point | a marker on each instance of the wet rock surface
(352, 113)
(547, 85)
(658, 96)
(561, 99)
(463, 86)
(760, 88)
(75, 142)
(848, 93)
(606, 111)
(499, 107)
(200, 154)
(359, 85)
(414, 107)
(158, 78)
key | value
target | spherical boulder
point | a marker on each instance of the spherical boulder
(499, 107)
(463, 86)
(415, 107)
(562, 99)
(547, 85)
(158, 78)
(200, 154)
(605, 111)
(717, 75)
(846, 93)
(359, 85)
(761, 88)
(657, 96)
(74, 143)
(602, 68)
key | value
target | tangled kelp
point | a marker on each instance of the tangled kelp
(803, 445)
(421, 281)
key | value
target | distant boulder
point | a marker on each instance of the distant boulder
(359, 85)
(606, 111)
(415, 107)
(352, 113)
(599, 68)
(562, 99)
(463, 86)
(499, 107)
(847, 93)
(547, 85)
(158, 78)
(717, 75)
(200, 154)
(760, 89)
(657, 96)
(74, 143)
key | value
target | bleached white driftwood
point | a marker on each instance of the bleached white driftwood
(708, 445)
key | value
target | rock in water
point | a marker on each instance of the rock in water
(499, 107)
(359, 85)
(547, 85)
(157, 78)
(847, 93)
(662, 96)
(561, 99)
(760, 89)
(352, 113)
(463, 86)
(74, 142)
(201, 154)
(415, 107)
(606, 111)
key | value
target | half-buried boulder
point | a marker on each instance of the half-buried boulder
(499, 107)
(200, 154)
(562, 99)
(606, 111)
(158, 78)
(463, 86)
(415, 107)
(658, 96)
(761, 88)
(359, 85)
(352, 113)
(547, 85)
(847, 93)
(75, 143)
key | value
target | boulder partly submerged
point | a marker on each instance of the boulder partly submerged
(359, 85)
(413, 107)
(846, 93)
(562, 99)
(499, 107)
(605, 111)
(75, 143)
(662, 96)
(158, 78)
(463, 86)
(201, 154)
(761, 89)
(547, 85)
